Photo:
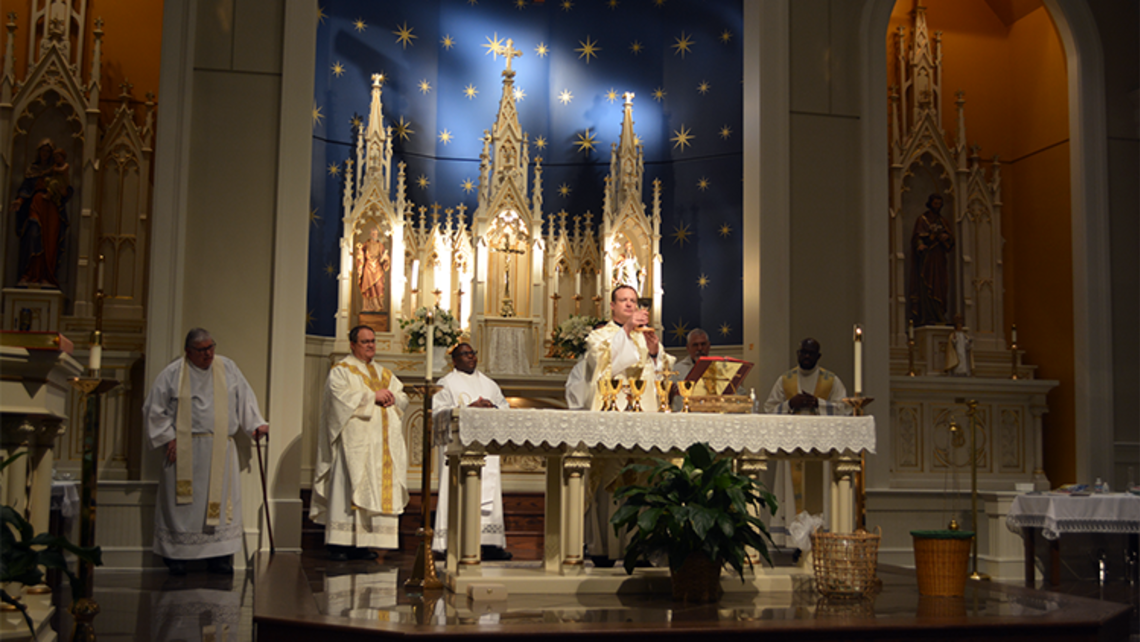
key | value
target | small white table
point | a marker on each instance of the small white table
(1055, 514)
(571, 439)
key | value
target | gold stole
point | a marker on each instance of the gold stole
(375, 384)
(823, 384)
(184, 446)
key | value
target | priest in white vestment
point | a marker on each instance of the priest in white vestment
(198, 507)
(466, 386)
(578, 381)
(804, 390)
(790, 394)
(625, 348)
(360, 488)
(697, 346)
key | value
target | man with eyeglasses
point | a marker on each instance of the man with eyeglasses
(198, 508)
(360, 488)
(466, 386)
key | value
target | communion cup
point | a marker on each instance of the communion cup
(636, 389)
(686, 390)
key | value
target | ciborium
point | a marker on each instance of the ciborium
(636, 389)
(685, 388)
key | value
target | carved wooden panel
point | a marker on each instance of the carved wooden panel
(1010, 435)
(908, 438)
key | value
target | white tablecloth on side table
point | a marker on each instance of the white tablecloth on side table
(1058, 513)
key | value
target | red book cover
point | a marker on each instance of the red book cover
(722, 375)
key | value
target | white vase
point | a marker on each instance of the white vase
(438, 359)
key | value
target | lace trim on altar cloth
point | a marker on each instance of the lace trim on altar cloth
(369, 529)
(1053, 528)
(663, 432)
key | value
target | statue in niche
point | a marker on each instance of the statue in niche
(41, 217)
(372, 262)
(930, 245)
(627, 270)
(959, 351)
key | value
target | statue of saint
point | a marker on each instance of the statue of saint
(959, 351)
(930, 244)
(40, 215)
(371, 263)
(627, 271)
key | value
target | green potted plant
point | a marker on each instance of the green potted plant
(570, 335)
(701, 514)
(23, 553)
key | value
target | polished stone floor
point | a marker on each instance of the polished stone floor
(151, 605)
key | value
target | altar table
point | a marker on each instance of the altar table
(571, 439)
(1055, 514)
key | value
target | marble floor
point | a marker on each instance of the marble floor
(151, 605)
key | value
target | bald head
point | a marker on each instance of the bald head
(808, 355)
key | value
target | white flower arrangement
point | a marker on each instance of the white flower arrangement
(447, 330)
(570, 336)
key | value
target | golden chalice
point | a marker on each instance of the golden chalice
(607, 393)
(636, 389)
(686, 390)
(617, 385)
(663, 387)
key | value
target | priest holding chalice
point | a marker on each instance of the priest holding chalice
(627, 349)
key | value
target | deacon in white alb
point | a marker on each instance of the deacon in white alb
(466, 386)
(198, 511)
(360, 488)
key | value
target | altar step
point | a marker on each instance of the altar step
(522, 514)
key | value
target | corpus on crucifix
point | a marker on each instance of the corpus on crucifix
(509, 247)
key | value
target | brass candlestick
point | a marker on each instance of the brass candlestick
(972, 412)
(423, 569)
(857, 403)
(577, 304)
(598, 305)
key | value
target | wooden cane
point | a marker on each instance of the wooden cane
(265, 494)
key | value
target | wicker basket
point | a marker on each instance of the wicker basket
(941, 562)
(845, 563)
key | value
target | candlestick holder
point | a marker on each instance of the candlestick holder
(910, 357)
(423, 569)
(1013, 361)
(598, 305)
(857, 403)
(438, 293)
(577, 304)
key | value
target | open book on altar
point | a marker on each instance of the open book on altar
(720, 375)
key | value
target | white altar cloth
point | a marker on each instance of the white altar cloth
(1059, 513)
(554, 429)
(571, 439)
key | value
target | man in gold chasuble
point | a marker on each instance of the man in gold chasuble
(360, 487)
(625, 348)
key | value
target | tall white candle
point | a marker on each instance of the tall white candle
(910, 330)
(858, 359)
(429, 333)
(415, 275)
(95, 359)
(597, 284)
(577, 283)
(1013, 334)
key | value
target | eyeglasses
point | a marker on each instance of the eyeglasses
(465, 353)
(204, 350)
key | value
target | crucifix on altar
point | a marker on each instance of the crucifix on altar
(509, 248)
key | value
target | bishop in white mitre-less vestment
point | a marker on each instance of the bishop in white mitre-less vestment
(466, 386)
(198, 508)
(360, 488)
